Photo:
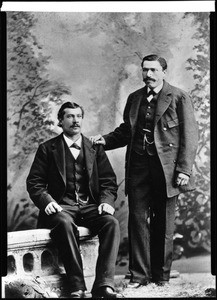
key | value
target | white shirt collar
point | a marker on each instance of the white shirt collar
(69, 142)
(157, 89)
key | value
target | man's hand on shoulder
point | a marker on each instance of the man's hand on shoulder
(97, 139)
(106, 208)
(52, 208)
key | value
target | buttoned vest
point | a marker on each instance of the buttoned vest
(77, 191)
(144, 135)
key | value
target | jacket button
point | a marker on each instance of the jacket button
(170, 145)
(165, 128)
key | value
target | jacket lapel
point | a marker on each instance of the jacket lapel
(163, 101)
(89, 155)
(134, 110)
(59, 156)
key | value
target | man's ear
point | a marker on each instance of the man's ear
(59, 123)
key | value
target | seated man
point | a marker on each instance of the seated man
(73, 184)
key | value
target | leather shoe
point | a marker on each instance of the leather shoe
(161, 282)
(106, 292)
(80, 294)
(136, 285)
(133, 285)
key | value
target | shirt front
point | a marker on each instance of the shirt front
(75, 152)
(156, 90)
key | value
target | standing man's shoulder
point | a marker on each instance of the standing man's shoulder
(177, 91)
(134, 96)
(137, 92)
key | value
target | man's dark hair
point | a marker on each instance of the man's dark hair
(154, 57)
(65, 105)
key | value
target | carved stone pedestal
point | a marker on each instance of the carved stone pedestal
(32, 256)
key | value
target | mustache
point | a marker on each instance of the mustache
(74, 125)
(149, 79)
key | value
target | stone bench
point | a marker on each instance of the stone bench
(32, 254)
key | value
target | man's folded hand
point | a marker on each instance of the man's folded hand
(106, 208)
(52, 208)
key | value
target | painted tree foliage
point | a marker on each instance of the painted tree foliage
(29, 94)
(193, 215)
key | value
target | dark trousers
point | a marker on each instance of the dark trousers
(65, 234)
(151, 221)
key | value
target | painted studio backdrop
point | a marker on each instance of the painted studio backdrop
(94, 59)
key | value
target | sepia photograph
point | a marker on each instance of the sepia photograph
(108, 154)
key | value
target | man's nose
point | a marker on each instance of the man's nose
(149, 73)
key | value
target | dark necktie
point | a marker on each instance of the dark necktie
(74, 145)
(151, 92)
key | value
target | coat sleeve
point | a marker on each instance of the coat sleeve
(107, 178)
(37, 179)
(188, 135)
(121, 136)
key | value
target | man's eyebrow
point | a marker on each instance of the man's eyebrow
(70, 114)
(150, 68)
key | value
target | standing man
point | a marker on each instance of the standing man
(161, 135)
(73, 184)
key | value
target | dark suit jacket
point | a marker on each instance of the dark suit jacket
(46, 181)
(175, 134)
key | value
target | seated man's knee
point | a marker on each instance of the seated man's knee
(113, 222)
(64, 224)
